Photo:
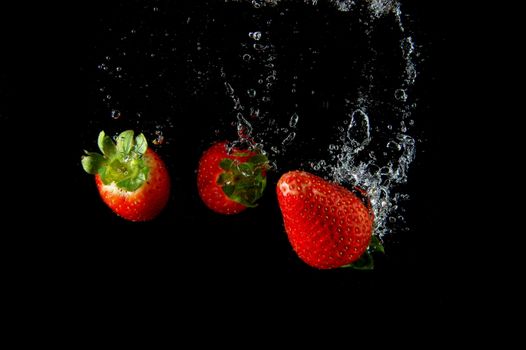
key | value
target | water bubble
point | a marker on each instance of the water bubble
(408, 46)
(246, 57)
(400, 94)
(254, 112)
(244, 128)
(288, 140)
(403, 128)
(381, 7)
(159, 138)
(229, 89)
(358, 132)
(255, 35)
(393, 146)
(411, 122)
(294, 120)
(155, 9)
(390, 127)
(251, 93)
(108, 97)
(259, 47)
(115, 114)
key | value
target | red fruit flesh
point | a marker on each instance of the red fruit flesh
(208, 172)
(327, 225)
(146, 202)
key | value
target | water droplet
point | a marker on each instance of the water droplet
(118, 69)
(390, 127)
(294, 120)
(255, 35)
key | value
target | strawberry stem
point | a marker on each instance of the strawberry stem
(244, 182)
(121, 163)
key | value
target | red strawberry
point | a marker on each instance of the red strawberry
(327, 225)
(229, 182)
(131, 178)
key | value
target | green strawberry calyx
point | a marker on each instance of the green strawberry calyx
(366, 261)
(244, 182)
(121, 163)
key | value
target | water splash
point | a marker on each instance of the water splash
(372, 144)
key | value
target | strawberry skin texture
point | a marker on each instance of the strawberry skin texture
(146, 202)
(327, 225)
(208, 172)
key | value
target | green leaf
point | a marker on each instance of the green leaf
(92, 162)
(376, 246)
(132, 183)
(241, 154)
(125, 142)
(229, 190)
(258, 159)
(106, 145)
(365, 262)
(224, 178)
(141, 145)
(246, 168)
(226, 164)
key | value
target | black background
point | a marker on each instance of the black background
(65, 238)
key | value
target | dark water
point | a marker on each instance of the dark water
(159, 65)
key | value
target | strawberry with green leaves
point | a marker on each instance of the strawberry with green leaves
(327, 225)
(230, 181)
(131, 178)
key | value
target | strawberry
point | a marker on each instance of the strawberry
(230, 181)
(327, 225)
(131, 178)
